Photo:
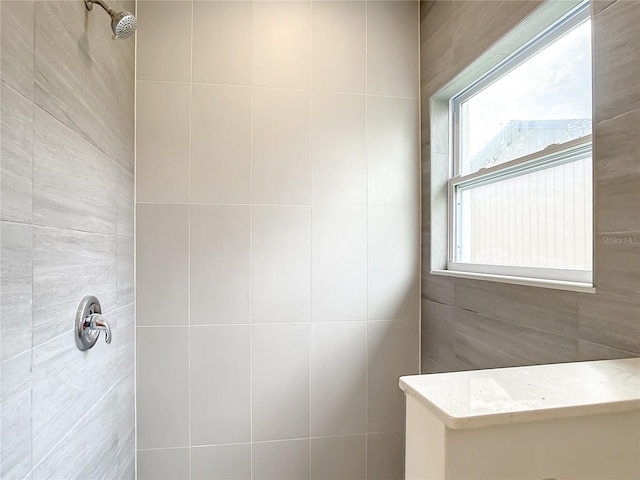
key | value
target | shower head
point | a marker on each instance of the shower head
(123, 24)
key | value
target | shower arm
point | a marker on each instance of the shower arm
(89, 5)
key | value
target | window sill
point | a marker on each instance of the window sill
(529, 282)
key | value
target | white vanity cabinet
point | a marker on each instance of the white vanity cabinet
(561, 421)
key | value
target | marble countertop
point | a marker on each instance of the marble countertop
(522, 394)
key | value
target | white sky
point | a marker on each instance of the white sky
(553, 84)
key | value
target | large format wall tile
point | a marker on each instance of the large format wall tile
(390, 355)
(67, 266)
(220, 143)
(220, 385)
(17, 45)
(338, 149)
(163, 131)
(280, 381)
(162, 373)
(281, 44)
(610, 322)
(60, 382)
(15, 416)
(338, 46)
(101, 439)
(338, 378)
(338, 458)
(280, 288)
(16, 154)
(222, 42)
(393, 152)
(16, 283)
(162, 265)
(223, 462)
(281, 460)
(280, 143)
(219, 257)
(385, 456)
(165, 464)
(392, 48)
(74, 183)
(164, 41)
(338, 263)
(79, 72)
(393, 263)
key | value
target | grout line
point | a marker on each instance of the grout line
(366, 154)
(251, 252)
(386, 207)
(303, 90)
(310, 339)
(329, 322)
(189, 235)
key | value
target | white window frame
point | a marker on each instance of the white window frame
(553, 155)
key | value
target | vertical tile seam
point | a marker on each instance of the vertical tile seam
(250, 299)
(189, 235)
(366, 154)
(135, 252)
(310, 340)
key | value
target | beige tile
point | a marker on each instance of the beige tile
(222, 42)
(220, 385)
(125, 275)
(281, 264)
(165, 464)
(617, 173)
(593, 351)
(338, 149)
(164, 40)
(338, 46)
(220, 267)
(393, 152)
(610, 322)
(338, 458)
(338, 378)
(616, 47)
(385, 456)
(75, 58)
(162, 264)
(287, 460)
(17, 45)
(438, 332)
(162, 391)
(16, 162)
(223, 462)
(392, 351)
(162, 162)
(281, 156)
(392, 48)
(281, 38)
(485, 342)
(338, 264)
(220, 144)
(393, 263)
(617, 265)
(552, 310)
(280, 382)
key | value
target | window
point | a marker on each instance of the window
(520, 194)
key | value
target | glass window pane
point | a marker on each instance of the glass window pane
(544, 100)
(538, 219)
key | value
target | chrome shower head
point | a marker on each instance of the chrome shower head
(123, 24)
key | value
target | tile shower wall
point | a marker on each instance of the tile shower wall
(66, 223)
(469, 324)
(277, 237)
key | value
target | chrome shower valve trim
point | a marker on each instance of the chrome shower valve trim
(89, 323)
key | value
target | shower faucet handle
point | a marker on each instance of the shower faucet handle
(89, 322)
(97, 322)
